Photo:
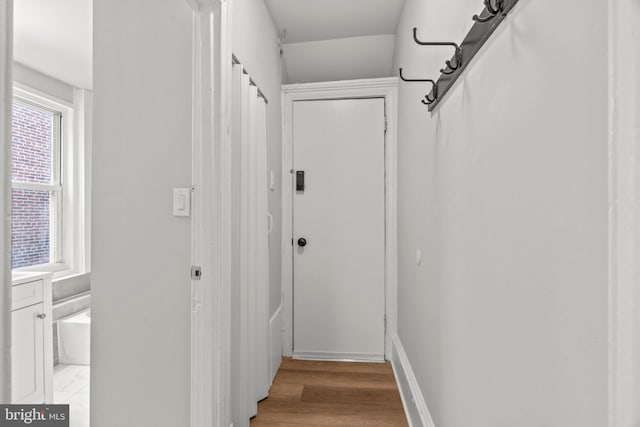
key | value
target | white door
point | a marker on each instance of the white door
(339, 288)
(250, 379)
(27, 367)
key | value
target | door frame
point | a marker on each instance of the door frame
(386, 88)
(210, 362)
(6, 95)
(624, 211)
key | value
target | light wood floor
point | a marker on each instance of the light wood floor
(310, 393)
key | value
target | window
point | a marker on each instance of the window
(50, 174)
(36, 185)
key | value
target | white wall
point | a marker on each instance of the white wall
(141, 253)
(55, 38)
(255, 44)
(364, 57)
(504, 189)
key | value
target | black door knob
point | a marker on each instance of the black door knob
(302, 242)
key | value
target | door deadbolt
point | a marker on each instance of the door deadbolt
(302, 242)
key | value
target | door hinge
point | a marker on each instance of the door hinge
(385, 124)
(385, 322)
(196, 272)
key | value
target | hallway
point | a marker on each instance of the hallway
(314, 393)
(197, 185)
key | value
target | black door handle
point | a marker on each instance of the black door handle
(302, 242)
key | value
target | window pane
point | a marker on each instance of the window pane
(32, 144)
(30, 227)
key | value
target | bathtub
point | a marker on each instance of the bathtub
(74, 337)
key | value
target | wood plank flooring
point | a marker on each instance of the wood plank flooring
(314, 393)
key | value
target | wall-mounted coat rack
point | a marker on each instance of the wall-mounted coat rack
(484, 25)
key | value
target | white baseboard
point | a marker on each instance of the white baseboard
(345, 357)
(275, 342)
(413, 401)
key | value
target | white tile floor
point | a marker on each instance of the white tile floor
(71, 385)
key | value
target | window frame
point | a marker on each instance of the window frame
(64, 251)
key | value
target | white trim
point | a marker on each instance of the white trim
(48, 338)
(624, 213)
(58, 269)
(211, 215)
(263, 379)
(275, 342)
(364, 88)
(415, 407)
(252, 204)
(83, 133)
(36, 187)
(341, 357)
(52, 86)
(352, 85)
(40, 97)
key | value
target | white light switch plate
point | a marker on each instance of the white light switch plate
(181, 201)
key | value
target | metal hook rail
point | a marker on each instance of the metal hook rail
(485, 23)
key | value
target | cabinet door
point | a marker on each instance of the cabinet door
(27, 367)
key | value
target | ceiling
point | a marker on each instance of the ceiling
(325, 40)
(55, 38)
(336, 39)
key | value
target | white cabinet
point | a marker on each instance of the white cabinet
(27, 370)
(31, 339)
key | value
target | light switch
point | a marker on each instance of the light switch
(181, 201)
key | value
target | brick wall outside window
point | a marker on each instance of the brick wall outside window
(32, 143)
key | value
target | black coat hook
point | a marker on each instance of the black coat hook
(457, 55)
(414, 80)
(429, 101)
(434, 89)
(493, 11)
(453, 67)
